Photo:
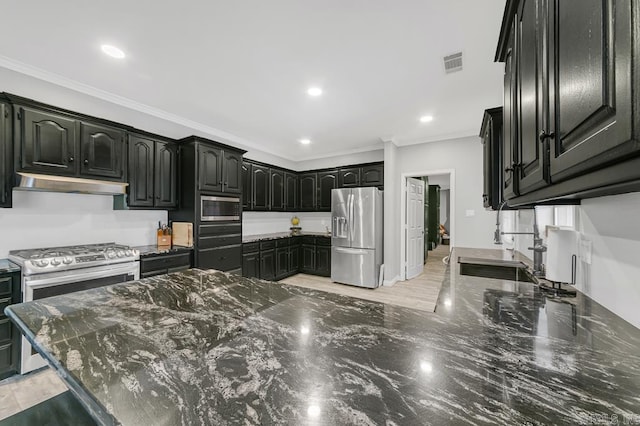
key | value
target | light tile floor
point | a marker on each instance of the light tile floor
(18, 393)
(21, 392)
(418, 293)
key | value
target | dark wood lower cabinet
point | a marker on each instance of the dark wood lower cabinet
(9, 335)
(221, 258)
(268, 264)
(274, 260)
(164, 264)
(323, 261)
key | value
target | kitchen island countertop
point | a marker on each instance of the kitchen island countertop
(206, 347)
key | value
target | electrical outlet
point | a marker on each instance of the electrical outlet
(585, 251)
(470, 213)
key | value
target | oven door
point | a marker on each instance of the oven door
(37, 287)
(219, 208)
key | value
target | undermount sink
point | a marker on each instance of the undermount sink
(512, 270)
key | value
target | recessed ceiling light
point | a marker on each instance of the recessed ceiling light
(112, 51)
(305, 141)
(426, 118)
(314, 91)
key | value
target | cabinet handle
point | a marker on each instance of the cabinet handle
(86, 161)
(512, 168)
(544, 135)
(71, 159)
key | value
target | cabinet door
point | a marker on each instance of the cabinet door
(323, 261)
(290, 192)
(6, 155)
(232, 172)
(591, 92)
(260, 187)
(294, 258)
(277, 189)
(348, 178)
(326, 182)
(531, 96)
(251, 265)
(47, 142)
(282, 262)
(308, 259)
(372, 175)
(9, 335)
(268, 264)
(509, 184)
(246, 186)
(308, 191)
(209, 168)
(102, 151)
(141, 158)
(166, 175)
(486, 161)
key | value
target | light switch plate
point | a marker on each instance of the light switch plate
(585, 251)
(470, 213)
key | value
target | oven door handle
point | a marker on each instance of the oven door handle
(129, 269)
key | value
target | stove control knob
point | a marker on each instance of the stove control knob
(42, 263)
(55, 262)
(120, 253)
(128, 252)
(111, 254)
(67, 260)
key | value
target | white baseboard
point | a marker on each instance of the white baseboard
(391, 281)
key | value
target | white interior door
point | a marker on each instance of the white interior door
(415, 227)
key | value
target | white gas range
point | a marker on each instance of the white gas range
(53, 271)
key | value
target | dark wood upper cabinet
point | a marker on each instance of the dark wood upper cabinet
(570, 99)
(260, 187)
(166, 174)
(153, 173)
(209, 168)
(591, 84)
(349, 177)
(141, 171)
(246, 186)
(531, 83)
(277, 189)
(509, 118)
(327, 181)
(47, 142)
(308, 191)
(232, 171)
(491, 137)
(291, 192)
(101, 150)
(6, 154)
(372, 175)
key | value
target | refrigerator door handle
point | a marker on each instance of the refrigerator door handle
(351, 197)
(350, 250)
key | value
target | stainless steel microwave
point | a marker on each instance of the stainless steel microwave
(219, 208)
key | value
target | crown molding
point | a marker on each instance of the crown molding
(440, 138)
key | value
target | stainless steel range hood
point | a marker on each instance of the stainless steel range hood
(38, 182)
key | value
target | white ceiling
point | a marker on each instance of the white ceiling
(241, 68)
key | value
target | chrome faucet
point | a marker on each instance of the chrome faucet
(538, 245)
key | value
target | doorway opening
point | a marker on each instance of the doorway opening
(427, 217)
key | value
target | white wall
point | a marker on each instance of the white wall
(48, 219)
(342, 160)
(269, 222)
(391, 214)
(39, 90)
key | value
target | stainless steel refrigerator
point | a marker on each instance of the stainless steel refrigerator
(356, 236)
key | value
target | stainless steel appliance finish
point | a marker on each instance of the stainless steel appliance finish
(39, 182)
(219, 208)
(356, 236)
(61, 270)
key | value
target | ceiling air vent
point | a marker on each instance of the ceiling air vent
(453, 63)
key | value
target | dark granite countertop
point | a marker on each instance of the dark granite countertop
(206, 347)
(279, 235)
(7, 266)
(154, 250)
